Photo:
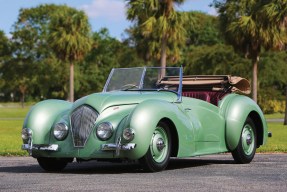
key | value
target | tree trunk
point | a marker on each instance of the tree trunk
(71, 82)
(285, 119)
(255, 62)
(22, 100)
(163, 56)
(23, 89)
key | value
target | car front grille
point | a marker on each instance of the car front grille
(83, 119)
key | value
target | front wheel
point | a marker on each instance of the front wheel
(246, 148)
(158, 154)
(53, 164)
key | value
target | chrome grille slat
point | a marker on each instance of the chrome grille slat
(83, 119)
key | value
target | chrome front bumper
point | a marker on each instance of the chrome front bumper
(113, 147)
(43, 147)
(53, 147)
(118, 146)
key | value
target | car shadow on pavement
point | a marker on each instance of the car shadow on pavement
(94, 167)
(21, 169)
(190, 162)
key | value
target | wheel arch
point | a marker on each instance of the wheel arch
(258, 125)
(174, 136)
(144, 119)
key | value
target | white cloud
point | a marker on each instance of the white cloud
(113, 10)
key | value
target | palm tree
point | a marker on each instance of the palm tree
(160, 25)
(70, 38)
(276, 12)
(249, 28)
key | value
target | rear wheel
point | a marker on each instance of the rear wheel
(158, 154)
(245, 151)
(53, 164)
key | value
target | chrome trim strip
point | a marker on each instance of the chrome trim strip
(41, 147)
(114, 147)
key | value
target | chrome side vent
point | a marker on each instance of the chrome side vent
(83, 119)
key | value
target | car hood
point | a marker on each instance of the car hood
(101, 101)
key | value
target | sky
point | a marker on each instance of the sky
(102, 13)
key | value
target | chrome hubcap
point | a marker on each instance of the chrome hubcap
(248, 139)
(160, 144)
(248, 143)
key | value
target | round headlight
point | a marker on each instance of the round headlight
(60, 131)
(26, 133)
(128, 134)
(104, 131)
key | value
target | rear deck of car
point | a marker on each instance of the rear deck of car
(210, 88)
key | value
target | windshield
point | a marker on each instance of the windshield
(144, 78)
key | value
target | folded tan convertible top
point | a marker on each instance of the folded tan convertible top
(238, 84)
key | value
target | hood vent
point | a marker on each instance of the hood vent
(83, 119)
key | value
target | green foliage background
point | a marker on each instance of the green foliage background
(27, 62)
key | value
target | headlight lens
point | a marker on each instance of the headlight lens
(104, 131)
(128, 134)
(26, 133)
(61, 131)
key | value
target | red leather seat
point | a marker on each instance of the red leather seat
(198, 95)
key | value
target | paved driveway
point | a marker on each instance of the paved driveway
(267, 172)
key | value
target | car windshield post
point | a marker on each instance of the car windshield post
(108, 80)
(142, 78)
(179, 92)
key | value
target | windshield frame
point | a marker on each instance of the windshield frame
(141, 82)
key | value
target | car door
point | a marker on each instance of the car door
(209, 125)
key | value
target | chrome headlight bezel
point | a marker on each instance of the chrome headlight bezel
(104, 131)
(60, 131)
(26, 133)
(128, 134)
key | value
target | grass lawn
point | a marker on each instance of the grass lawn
(10, 137)
(278, 142)
(13, 112)
(274, 116)
(11, 120)
(10, 133)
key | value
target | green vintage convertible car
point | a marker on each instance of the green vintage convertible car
(148, 114)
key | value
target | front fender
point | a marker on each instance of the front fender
(144, 119)
(41, 118)
(237, 109)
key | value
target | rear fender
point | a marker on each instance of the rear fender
(41, 118)
(236, 112)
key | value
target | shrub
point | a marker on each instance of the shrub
(272, 106)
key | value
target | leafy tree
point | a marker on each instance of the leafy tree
(249, 28)
(106, 53)
(5, 55)
(204, 31)
(69, 37)
(160, 25)
(31, 49)
(217, 59)
(276, 11)
(98, 62)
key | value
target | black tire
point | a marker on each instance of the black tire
(246, 148)
(158, 154)
(53, 164)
